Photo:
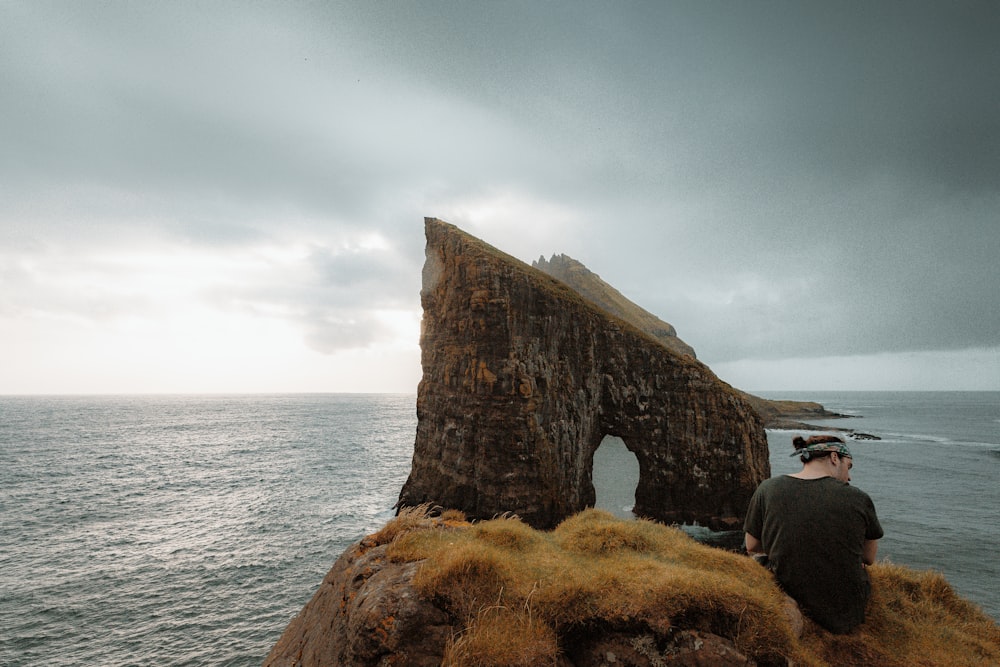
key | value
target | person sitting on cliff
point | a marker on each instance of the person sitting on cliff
(818, 533)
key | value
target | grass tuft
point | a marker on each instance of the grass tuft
(408, 518)
(467, 578)
(507, 533)
(599, 533)
(415, 519)
(501, 637)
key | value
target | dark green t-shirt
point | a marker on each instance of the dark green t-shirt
(812, 531)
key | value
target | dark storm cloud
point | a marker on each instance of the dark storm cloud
(196, 107)
(774, 178)
(170, 119)
(695, 88)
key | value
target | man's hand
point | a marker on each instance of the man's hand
(868, 551)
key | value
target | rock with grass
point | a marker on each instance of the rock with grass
(597, 590)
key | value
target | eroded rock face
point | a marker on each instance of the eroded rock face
(681, 649)
(366, 612)
(590, 285)
(523, 378)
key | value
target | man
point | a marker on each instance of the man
(818, 533)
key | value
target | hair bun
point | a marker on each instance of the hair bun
(798, 442)
(822, 439)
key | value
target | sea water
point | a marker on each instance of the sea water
(188, 530)
(182, 530)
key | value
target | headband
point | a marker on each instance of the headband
(838, 447)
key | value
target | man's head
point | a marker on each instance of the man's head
(827, 451)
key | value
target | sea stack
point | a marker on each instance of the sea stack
(523, 378)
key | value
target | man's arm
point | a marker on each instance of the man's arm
(868, 551)
(753, 545)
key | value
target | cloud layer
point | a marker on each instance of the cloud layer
(778, 180)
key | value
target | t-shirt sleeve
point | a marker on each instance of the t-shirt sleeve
(873, 529)
(754, 522)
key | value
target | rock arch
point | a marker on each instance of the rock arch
(615, 476)
(522, 379)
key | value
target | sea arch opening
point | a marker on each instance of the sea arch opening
(615, 477)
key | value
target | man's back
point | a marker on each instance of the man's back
(813, 531)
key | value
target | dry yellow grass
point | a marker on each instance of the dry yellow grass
(501, 636)
(516, 591)
(914, 619)
(420, 517)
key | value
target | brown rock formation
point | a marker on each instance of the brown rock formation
(686, 649)
(523, 378)
(365, 613)
(603, 295)
(430, 590)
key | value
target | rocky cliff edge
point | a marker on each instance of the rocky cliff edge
(596, 591)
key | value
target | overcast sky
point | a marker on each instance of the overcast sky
(202, 197)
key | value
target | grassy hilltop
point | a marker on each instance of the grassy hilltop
(525, 596)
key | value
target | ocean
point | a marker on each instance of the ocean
(188, 530)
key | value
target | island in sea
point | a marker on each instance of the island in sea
(496, 556)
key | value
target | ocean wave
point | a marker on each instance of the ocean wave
(924, 438)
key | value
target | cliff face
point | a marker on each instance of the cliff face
(523, 378)
(603, 295)
(364, 610)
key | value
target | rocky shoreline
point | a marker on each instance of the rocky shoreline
(790, 416)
